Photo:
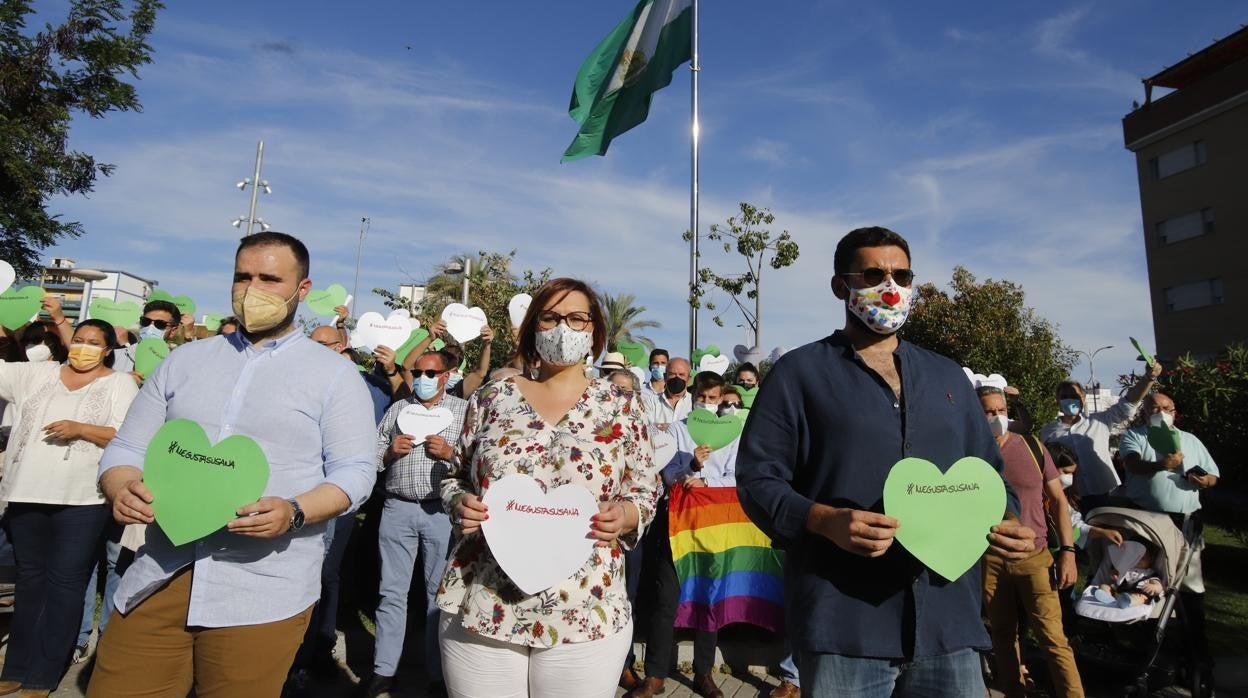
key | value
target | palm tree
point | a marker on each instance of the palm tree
(624, 320)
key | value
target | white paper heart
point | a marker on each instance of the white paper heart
(517, 307)
(713, 364)
(979, 380)
(746, 354)
(538, 538)
(7, 276)
(641, 376)
(664, 447)
(420, 421)
(372, 330)
(463, 323)
(775, 354)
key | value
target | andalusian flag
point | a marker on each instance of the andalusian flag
(613, 88)
(728, 571)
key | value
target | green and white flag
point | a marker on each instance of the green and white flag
(615, 83)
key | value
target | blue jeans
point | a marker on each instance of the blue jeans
(55, 548)
(408, 528)
(955, 675)
(112, 550)
(788, 667)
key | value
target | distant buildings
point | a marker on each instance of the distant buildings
(74, 286)
(1191, 150)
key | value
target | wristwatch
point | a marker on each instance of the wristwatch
(296, 516)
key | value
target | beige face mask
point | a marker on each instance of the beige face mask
(85, 357)
(259, 310)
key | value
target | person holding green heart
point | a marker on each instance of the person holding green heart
(56, 515)
(1172, 483)
(234, 603)
(867, 618)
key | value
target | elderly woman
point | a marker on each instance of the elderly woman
(560, 428)
(67, 414)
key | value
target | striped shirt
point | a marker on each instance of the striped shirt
(416, 476)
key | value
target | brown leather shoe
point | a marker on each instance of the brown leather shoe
(706, 687)
(628, 679)
(648, 689)
(7, 687)
(785, 690)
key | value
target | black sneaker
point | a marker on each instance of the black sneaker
(296, 684)
(376, 686)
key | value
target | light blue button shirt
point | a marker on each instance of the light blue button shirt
(719, 470)
(313, 418)
(1168, 491)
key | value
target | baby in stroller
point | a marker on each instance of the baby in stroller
(1126, 576)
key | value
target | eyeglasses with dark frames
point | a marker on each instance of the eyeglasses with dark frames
(577, 321)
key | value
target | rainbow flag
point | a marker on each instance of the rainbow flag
(728, 571)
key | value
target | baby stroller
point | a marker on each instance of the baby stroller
(1133, 640)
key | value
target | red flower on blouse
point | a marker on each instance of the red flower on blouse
(608, 433)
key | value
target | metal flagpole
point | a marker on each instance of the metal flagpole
(694, 68)
(255, 186)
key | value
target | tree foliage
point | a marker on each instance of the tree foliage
(78, 66)
(747, 234)
(624, 321)
(491, 286)
(987, 327)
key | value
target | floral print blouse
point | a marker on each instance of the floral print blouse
(603, 444)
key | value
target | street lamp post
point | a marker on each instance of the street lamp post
(464, 267)
(365, 222)
(256, 185)
(1092, 373)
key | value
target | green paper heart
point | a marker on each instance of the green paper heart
(418, 335)
(185, 305)
(148, 354)
(747, 396)
(1164, 440)
(197, 487)
(116, 314)
(635, 353)
(708, 350)
(212, 323)
(1144, 356)
(945, 517)
(709, 429)
(17, 306)
(322, 301)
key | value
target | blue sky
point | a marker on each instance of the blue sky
(988, 135)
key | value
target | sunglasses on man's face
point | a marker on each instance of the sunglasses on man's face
(160, 324)
(875, 276)
(430, 373)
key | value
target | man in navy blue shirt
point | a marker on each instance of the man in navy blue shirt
(867, 618)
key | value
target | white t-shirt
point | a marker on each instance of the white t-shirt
(1089, 438)
(43, 471)
(660, 411)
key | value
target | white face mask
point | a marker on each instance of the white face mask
(708, 406)
(883, 308)
(998, 424)
(1161, 419)
(1067, 480)
(38, 352)
(563, 346)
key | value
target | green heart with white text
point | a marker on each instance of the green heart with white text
(945, 518)
(17, 306)
(635, 353)
(709, 429)
(148, 354)
(197, 487)
(185, 305)
(125, 314)
(747, 396)
(418, 335)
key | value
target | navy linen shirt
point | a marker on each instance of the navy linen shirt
(825, 428)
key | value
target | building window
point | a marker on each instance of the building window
(1184, 227)
(1179, 160)
(1198, 294)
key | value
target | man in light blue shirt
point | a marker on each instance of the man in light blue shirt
(1171, 483)
(226, 613)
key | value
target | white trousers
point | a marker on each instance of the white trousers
(481, 667)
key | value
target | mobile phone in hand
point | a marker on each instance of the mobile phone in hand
(1197, 471)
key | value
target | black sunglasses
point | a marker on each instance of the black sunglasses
(430, 373)
(875, 276)
(160, 324)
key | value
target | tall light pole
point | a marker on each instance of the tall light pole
(256, 185)
(365, 222)
(464, 267)
(1092, 372)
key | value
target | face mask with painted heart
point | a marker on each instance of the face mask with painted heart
(883, 308)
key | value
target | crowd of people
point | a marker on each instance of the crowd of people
(250, 609)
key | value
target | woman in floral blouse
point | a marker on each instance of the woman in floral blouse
(557, 427)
